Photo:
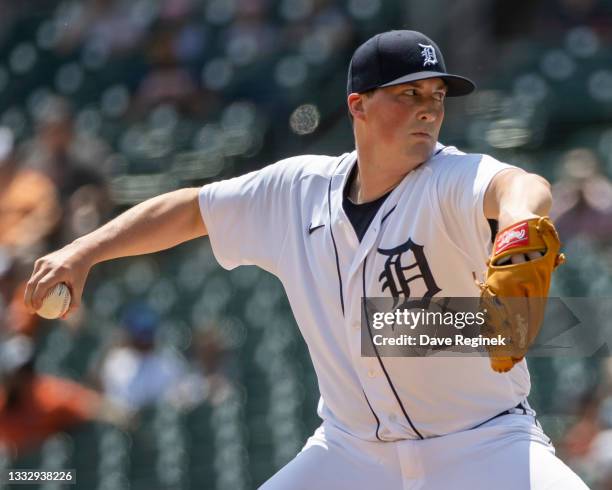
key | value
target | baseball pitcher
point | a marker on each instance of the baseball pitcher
(401, 216)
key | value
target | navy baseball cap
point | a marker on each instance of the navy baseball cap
(395, 57)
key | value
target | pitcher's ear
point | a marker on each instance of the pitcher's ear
(355, 105)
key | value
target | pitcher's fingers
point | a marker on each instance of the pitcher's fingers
(42, 288)
(37, 266)
(503, 261)
(518, 258)
(27, 297)
(534, 255)
(30, 288)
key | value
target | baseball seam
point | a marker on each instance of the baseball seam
(66, 302)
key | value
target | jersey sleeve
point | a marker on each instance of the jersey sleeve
(461, 186)
(246, 217)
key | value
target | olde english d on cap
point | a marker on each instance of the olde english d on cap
(395, 57)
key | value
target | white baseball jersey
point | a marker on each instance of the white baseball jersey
(288, 219)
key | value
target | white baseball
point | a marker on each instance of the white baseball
(56, 302)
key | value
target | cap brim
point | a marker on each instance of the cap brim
(457, 85)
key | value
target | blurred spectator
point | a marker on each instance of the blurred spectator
(111, 27)
(87, 209)
(168, 81)
(29, 208)
(601, 453)
(251, 36)
(176, 9)
(323, 31)
(595, 466)
(583, 198)
(34, 406)
(7, 283)
(587, 443)
(215, 363)
(73, 161)
(578, 439)
(211, 376)
(136, 373)
(17, 319)
(601, 460)
(190, 34)
(69, 158)
(555, 17)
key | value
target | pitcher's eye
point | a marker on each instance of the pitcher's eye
(439, 96)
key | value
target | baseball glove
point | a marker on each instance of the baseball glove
(513, 296)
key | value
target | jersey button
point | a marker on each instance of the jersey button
(356, 325)
(372, 373)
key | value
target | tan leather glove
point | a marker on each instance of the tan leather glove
(514, 294)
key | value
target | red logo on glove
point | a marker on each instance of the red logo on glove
(517, 236)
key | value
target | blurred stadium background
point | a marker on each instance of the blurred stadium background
(180, 375)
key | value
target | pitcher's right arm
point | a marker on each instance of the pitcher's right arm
(156, 224)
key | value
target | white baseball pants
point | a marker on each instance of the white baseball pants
(510, 452)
